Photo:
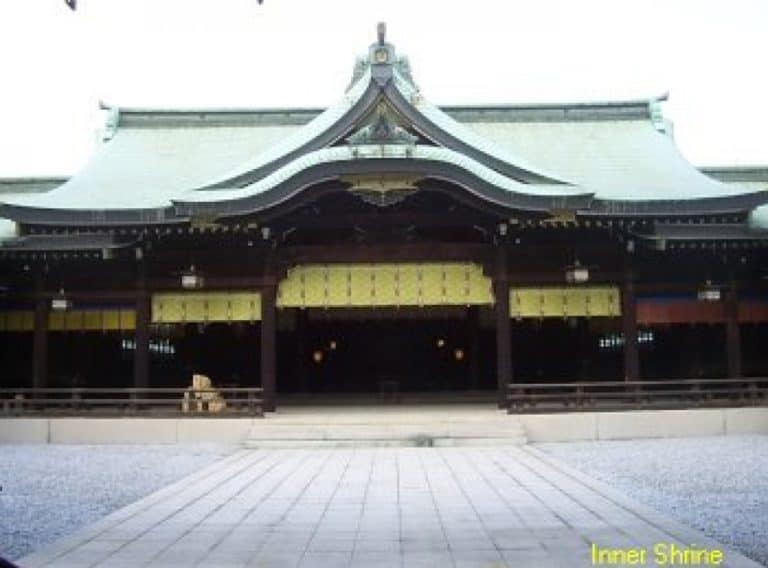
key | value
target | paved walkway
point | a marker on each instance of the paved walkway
(373, 507)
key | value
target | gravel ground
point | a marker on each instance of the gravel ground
(50, 491)
(717, 485)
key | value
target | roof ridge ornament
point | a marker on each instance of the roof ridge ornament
(382, 59)
(381, 52)
(659, 121)
(381, 30)
(111, 124)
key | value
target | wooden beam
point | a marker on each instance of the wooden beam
(557, 278)
(629, 324)
(141, 333)
(386, 219)
(40, 341)
(302, 325)
(212, 282)
(90, 295)
(473, 322)
(503, 332)
(733, 331)
(269, 339)
(405, 252)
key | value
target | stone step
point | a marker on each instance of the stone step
(493, 429)
(383, 443)
(377, 431)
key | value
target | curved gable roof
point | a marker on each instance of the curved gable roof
(426, 161)
(383, 82)
(154, 167)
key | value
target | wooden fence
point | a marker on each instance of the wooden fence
(209, 403)
(625, 395)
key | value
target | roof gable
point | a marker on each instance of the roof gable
(596, 158)
(383, 80)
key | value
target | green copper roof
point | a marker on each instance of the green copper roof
(619, 151)
(380, 152)
(26, 185)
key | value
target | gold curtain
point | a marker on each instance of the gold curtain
(196, 307)
(590, 301)
(384, 285)
(17, 320)
(71, 320)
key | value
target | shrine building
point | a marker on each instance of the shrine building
(384, 244)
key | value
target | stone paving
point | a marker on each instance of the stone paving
(373, 507)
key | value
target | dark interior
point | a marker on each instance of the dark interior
(374, 349)
(370, 355)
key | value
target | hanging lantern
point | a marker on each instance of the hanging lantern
(709, 293)
(191, 280)
(60, 302)
(576, 274)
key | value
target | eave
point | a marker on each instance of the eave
(75, 242)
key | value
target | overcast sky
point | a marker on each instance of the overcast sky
(57, 65)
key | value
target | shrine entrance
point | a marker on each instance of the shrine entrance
(388, 352)
(385, 329)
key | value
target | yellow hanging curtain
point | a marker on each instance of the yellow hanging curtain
(71, 320)
(198, 307)
(17, 320)
(591, 301)
(384, 285)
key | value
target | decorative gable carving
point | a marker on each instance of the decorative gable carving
(382, 128)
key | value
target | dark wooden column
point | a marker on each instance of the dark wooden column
(40, 341)
(269, 337)
(141, 333)
(503, 337)
(268, 345)
(733, 332)
(629, 324)
(473, 316)
(301, 350)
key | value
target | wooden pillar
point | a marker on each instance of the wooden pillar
(268, 345)
(141, 333)
(40, 340)
(629, 325)
(503, 337)
(733, 332)
(473, 315)
(301, 350)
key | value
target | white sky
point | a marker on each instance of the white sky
(57, 65)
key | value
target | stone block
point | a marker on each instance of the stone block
(23, 430)
(659, 424)
(213, 430)
(113, 430)
(746, 421)
(567, 427)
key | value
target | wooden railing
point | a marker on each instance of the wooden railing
(132, 401)
(622, 395)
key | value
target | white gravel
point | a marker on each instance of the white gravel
(717, 485)
(50, 491)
